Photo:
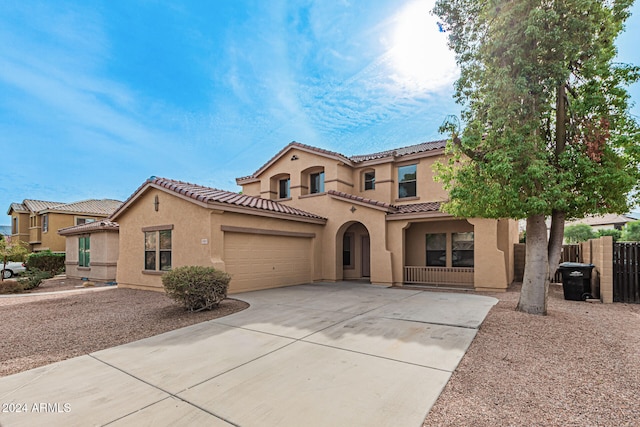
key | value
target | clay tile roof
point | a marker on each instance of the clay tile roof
(403, 151)
(296, 145)
(208, 194)
(91, 206)
(102, 225)
(362, 199)
(418, 208)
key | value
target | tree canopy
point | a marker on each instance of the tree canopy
(578, 233)
(631, 232)
(547, 129)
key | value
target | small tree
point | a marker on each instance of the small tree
(631, 232)
(12, 251)
(578, 233)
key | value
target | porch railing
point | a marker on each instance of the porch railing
(438, 275)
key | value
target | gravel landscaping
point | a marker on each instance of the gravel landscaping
(42, 329)
(577, 366)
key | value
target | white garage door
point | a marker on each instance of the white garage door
(264, 261)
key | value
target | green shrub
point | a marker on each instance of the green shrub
(616, 234)
(578, 233)
(631, 231)
(197, 288)
(33, 278)
(46, 261)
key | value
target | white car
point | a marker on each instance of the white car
(10, 269)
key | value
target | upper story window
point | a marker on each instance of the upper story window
(407, 181)
(45, 223)
(80, 221)
(14, 225)
(284, 188)
(370, 180)
(316, 182)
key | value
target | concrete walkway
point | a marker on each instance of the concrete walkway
(339, 354)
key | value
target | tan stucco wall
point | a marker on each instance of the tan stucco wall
(490, 269)
(50, 239)
(22, 233)
(103, 261)
(190, 223)
(197, 237)
(344, 178)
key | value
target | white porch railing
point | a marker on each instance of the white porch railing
(438, 275)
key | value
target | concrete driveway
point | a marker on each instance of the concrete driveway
(323, 354)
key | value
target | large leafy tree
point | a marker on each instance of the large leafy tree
(547, 132)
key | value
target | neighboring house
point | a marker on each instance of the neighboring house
(91, 250)
(604, 222)
(37, 222)
(310, 214)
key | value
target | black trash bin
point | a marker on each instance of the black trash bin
(576, 280)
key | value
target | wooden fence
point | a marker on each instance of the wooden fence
(570, 253)
(626, 272)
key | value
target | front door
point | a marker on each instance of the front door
(366, 257)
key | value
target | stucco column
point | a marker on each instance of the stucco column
(216, 240)
(396, 246)
(490, 271)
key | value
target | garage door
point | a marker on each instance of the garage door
(264, 261)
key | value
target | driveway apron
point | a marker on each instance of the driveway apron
(322, 354)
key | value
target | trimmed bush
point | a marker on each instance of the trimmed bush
(32, 278)
(46, 261)
(197, 288)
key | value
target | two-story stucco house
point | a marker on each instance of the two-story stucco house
(310, 214)
(36, 222)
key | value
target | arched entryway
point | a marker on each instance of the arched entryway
(353, 251)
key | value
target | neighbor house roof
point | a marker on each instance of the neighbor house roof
(89, 207)
(607, 219)
(221, 198)
(89, 227)
(30, 205)
(394, 153)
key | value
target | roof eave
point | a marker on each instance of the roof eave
(265, 213)
(418, 215)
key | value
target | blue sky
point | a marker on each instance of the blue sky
(95, 97)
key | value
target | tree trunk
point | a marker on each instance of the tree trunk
(555, 242)
(535, 284)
